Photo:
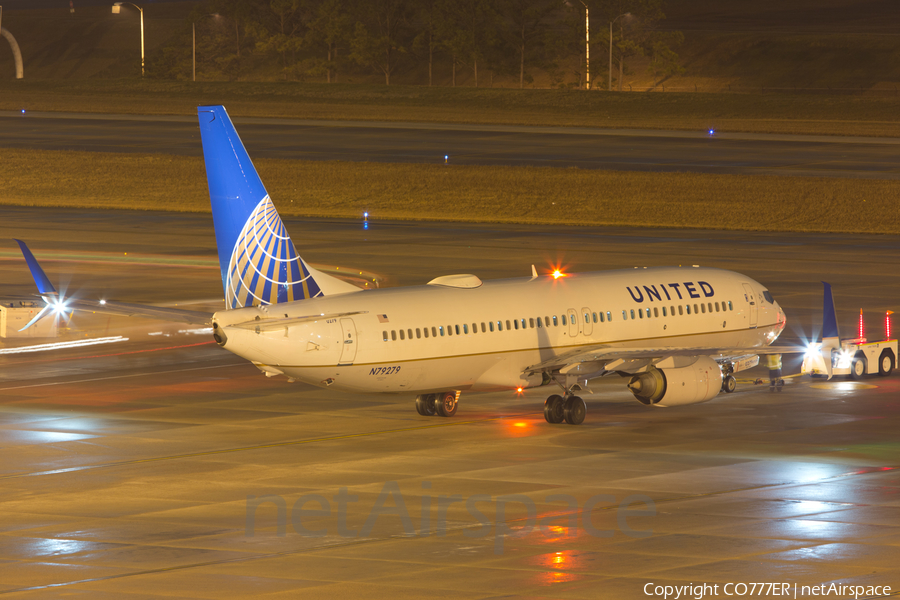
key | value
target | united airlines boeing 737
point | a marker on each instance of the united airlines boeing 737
(677, 335)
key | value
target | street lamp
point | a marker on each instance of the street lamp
(116, 9)
(587, 48)
(194, 45)
(626, 15)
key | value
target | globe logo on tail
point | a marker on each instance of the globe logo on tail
(264, 266)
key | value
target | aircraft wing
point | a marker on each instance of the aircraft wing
(56, 303)
(163, 313)
(609, 358)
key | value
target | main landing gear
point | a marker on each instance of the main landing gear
(570, 409)
(443, 404)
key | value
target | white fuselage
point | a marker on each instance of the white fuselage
(485, 338)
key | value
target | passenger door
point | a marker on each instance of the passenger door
(348, 347)
(754, 308)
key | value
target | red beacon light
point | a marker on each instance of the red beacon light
(887, 324)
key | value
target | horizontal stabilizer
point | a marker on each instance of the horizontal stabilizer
(275, 324)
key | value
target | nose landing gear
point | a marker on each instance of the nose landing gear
(443, 404)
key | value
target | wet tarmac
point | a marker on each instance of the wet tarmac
(164, 467)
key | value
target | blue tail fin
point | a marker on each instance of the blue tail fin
(37, 273)
(256, 255)
(829, 318)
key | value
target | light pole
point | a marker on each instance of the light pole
(116, 9)
(194, 45)
(626, 15)
(587, 47)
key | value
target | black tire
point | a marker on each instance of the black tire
(428, 405)
(554, 409)
(886, 363)
(575, 410)
(729, 384)
(857, 367)
(445, 405)
(420, 405)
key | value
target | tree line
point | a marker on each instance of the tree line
(515, 39)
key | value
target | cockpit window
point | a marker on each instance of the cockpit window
(768, 297)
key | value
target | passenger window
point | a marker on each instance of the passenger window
(491, 325)
(587, 317)
(401, 335)
(555, 323)
(672, 310)
(640, 314)
(434, 332)
(418, 333)
(425, 331)
(563, 319)
(523, 323)
(531, 322)
(384, 333)
(664, 311)
(608, 316)
(687, 307)
(394, 334)
(516, 323)
(499, 325)
(730, 306)
(594, 316)
(696, 312)
(632, 314)
(465, 328)
(710, 306)
(703, 308)
(483, 328)
(540, 322)
(546, 321)
(457, 329)
(624, 315)
(601, 317)
(717, 307)
(409, 334)
(680, 310)
(441, 329)
(655, 312)
(507, 325)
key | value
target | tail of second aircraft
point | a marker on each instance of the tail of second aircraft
(256, 255)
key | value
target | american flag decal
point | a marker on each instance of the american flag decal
(382, 319)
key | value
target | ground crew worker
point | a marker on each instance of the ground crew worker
(775, 380)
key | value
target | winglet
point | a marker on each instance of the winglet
(40, 278)
(829, 318)
(831, 337)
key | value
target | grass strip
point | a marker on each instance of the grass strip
(535, 195)
(863, 115)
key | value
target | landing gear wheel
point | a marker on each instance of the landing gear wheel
(885, 364)
(729, 384)
(445, 404)
(575, 410)
(554, 409)
(425, 405)
(857, 368)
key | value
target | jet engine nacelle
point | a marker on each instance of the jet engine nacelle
(673, 383)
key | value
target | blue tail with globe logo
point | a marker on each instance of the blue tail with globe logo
(256, 255)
